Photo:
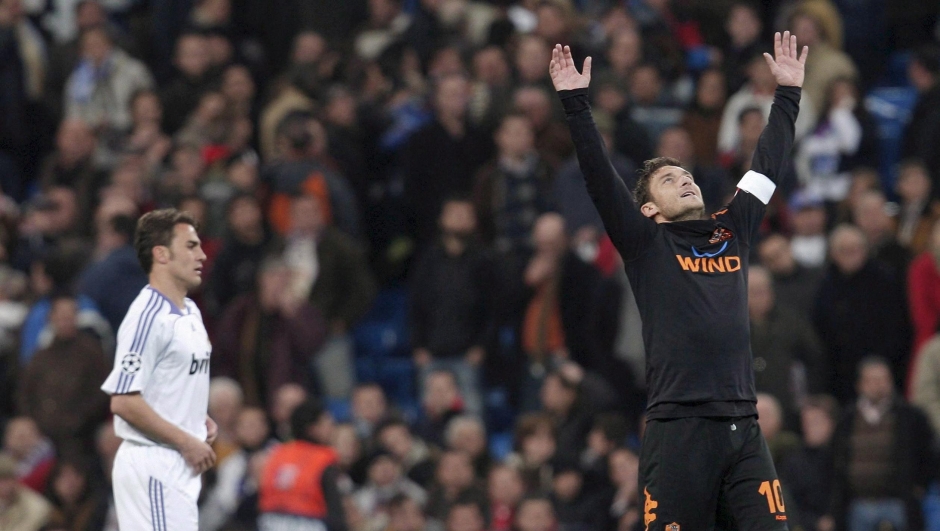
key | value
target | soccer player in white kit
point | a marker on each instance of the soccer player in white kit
(159, 386)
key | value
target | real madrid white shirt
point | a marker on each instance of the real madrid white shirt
(163, 353)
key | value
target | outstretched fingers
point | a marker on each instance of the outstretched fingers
(804, 54)
(770, 62)
(569, 61)
(778, 46)
(586, 72)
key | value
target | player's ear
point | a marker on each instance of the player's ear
(161, 254)
(649, 209)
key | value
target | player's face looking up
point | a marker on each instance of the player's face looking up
(674, 196)
(184, 258)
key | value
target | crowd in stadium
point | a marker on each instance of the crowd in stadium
(396, 224)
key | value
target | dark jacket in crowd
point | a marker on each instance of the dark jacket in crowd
(798, 290)
(451, 301)
(921, 134)
(59, 388)
(345, 286)
(783, 341)
(234, 272)
(807, 476)
(861, 315)
(263, 351)
(913, 467)
(113, 283)
(438, 165)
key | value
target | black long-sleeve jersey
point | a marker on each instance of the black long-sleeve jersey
(690, 277)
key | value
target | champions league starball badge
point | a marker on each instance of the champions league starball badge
(131, 362)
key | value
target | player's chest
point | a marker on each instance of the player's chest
(714, 253)
(189, 348)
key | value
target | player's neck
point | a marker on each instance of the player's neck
(173, 291)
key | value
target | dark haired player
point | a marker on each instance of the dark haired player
(704, 463)
(159, 386)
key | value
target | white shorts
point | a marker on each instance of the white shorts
(154, 489)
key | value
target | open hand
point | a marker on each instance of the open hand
(787, 68)
(564, 73)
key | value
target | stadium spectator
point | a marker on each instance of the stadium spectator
(467, 434)
(551, 140)
(758, 92)
(789, 361)
(115, 276)
(33, 455)
(416, 458)
(79, 504)
(20, 507)
(369, 408)
(817, 25)
(452, 314)
(454, 482)
(441, 401)
(924, 381)
(329, 270)
(703, 118)
(104, 81)
(534, 446)
(385, 482)
(923, 290)
(924, 73)
(286, 398)
(300, 483)
(234, 482)
(242, 251)
(270, 339)
(577, 506)
(59, 386)
(743, 26)
(226, 400)
(918, 210)
(809, 243)
(536, 513)
(795, 285)
(350, 452)
(625, 507)
(466, 514)
(871, 215)
(406, 514)
(74, 165)
(441, 158)
(854, 322)
(807, 472)
(883, 456)
(562, 398)
(780, 441)
(181, 96)
(505, 490)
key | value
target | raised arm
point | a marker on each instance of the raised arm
(776, 142)
(629, 230)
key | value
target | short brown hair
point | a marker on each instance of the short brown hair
(530, 424)
(156, 229)
(642, 191)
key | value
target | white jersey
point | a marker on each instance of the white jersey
(162, 353)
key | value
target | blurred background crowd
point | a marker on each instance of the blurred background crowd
(396, 224)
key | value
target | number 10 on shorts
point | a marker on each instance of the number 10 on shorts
(774, 496)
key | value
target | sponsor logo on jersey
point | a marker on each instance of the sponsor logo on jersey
(199, 365)
(704, 264)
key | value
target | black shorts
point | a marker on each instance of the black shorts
(704, 474)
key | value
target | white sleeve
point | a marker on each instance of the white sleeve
(140, 343)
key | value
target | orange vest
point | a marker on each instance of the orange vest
(290, 483)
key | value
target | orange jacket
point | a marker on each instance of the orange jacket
(292, 480)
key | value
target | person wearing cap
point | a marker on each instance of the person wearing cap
(21, 509)
(808, 219)
(299, 488)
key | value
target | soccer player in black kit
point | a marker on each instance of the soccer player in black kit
(704, 464)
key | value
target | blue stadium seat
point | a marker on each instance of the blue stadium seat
(384, 330)
(340, 408)
(891, 108)
(500, 445)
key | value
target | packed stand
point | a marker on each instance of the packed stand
(408, 288)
